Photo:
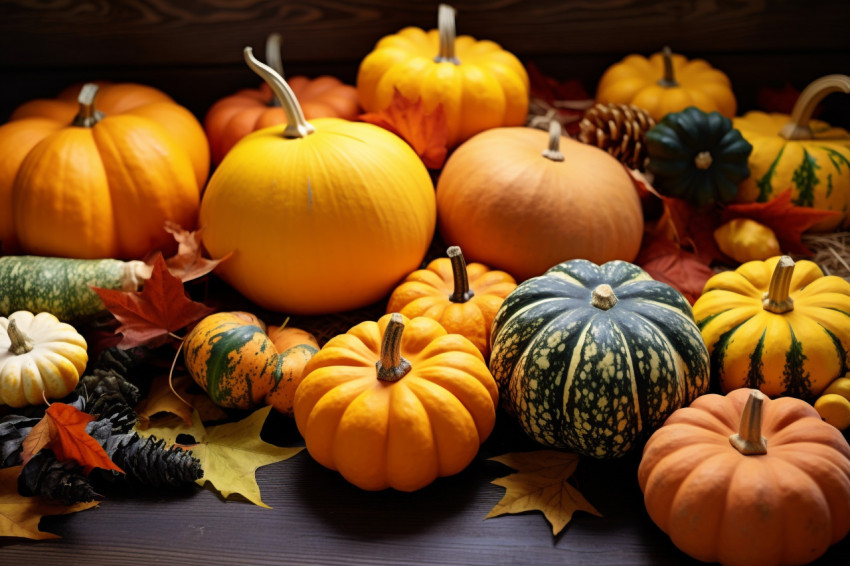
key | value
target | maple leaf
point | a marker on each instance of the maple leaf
(63, 430)
(161, 398)
(148, 316)
(427, 133)
(188, 263)
(667, 262)
(568, 100)
(786, 220)
(540, 484)
(20, 516)
(230, 453)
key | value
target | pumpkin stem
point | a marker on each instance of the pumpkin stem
(778, 299)
(296, 125)
(798, 128)
(446, 29)
(88, 115)
(553, 152)
(274, 59)
(20, 342)
(462, 292)
(603, 297)
(703, 160)
(669, 78)
(748, 440)
(391, 366)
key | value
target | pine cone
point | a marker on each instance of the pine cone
(124, 362)
(106, 392)
(62, 481)
(619, 129)
(148, 462)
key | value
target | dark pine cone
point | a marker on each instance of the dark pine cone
(62, 481)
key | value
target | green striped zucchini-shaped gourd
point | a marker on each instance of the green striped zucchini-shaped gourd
(593, 358)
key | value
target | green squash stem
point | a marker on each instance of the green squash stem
(603, 297)
(778, 299)
(798, 128)
(296, 125)
(748, 440)
(553, 152)
(88, 115)
(447, 32)
(392, 367)
(669, 79)
(274, 60)
(462, 292)
(21, 343)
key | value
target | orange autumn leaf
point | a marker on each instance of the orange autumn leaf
(427, 133)
(189, 263)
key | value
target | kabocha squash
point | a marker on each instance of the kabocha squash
(697, 156)
(396, 403)
(322, 217)
(594, 358)
(240, 366)
(233, 117)
(101, 183)
(666, 82)
(41, 358)
(744, 239)
(776, 325)
(463, 298)
(478, 84)
(517, 201)
(745, 480)
(810, 156)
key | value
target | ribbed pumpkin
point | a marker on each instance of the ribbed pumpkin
(745, 480)
(463, 298)
(479, 84)
(89, 183)
(396, 403)
(512, 204)
(594, 358)
(665, 83)
(240, 366)
(810, 156)
(321, 217)
(233, 117)
(777, 326)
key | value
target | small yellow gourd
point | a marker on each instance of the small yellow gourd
(744, 239)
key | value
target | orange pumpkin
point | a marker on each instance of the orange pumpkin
(111, 178)
(234, 117)
(745, 480)
(396, 403)
(462, 297)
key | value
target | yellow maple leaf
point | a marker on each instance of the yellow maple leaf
(229, 453)
(540, 484)
(19, 515)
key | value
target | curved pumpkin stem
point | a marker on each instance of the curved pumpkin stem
(448, 34)
(20, 342)
(274, 59)
(669, 78)
(392, 367)
(296, 125)
(553, 152)
(603, 297)
(462, 292)
(748, 440)
(88, 115)
(798, 128)
(778, 299)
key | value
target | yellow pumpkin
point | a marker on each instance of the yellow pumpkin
(479, 84)
(810, 156)
(744, 239)
(321, 217)
(666, 82)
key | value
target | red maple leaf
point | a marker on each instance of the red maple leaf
(188, 263)
(149, 316)
(568, 99)
(667, 262)
(427, 133)
(786, 220)
(63, 430)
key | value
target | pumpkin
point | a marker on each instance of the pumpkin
(40, 358)
(240, 366)
(833, 405)
(233, 117)
(744, 239)
(741, 479)
(776, 325)
(396, 403)
(521, 201)
(478, 84)
(462, 297)
(697, 156)
(666, 82)
(112, 178)
(810, 156)
(322, 217)
(593, 358)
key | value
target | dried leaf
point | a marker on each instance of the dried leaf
(567, 99)
(161, 399)
(780, 100)
(162, 307)
(540, 484)
(20, 516)
(189, 263)
(230, 453)
(667, 262)
(427, 133)
(38, 438)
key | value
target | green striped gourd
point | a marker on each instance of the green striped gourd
(593, 358)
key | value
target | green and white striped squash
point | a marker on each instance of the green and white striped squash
(593, 358)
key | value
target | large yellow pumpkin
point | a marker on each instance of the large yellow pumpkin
(810, 156)
(479, 84)
(321, 217)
